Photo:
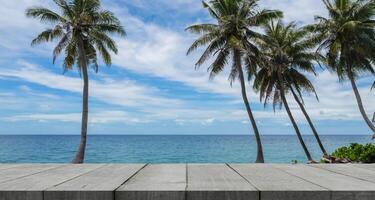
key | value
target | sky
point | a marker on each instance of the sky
(152, 87)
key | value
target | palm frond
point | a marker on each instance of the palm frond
(347, 36)
(44, 15)
(60, 46)
(48, 35)
(79, 20)
(218, 65)
(286, 50)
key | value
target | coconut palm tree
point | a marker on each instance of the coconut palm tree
(373, 116)
(227, 39)
(287, 53)
(307, 86)
(81, 28)
(347, 36)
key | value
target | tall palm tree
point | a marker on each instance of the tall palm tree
(229, 38)
(81, 29)
(348, 37)
(373, 117)
(287, 53)
(298, 98)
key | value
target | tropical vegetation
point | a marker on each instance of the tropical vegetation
(347, 36)
(81, 28)
(356, 153)
(255, 45)
(228, 39)
(286, 53)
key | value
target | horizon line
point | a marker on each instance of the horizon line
(179, 135)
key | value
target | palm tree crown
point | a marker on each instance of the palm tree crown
(286, 52)
(348, 37)
(235, 18)
(78, 18)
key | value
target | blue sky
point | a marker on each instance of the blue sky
(152, 87)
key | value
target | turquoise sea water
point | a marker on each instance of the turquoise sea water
(163, 149)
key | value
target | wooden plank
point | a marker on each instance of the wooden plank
(364, 166)
(98, 184)
(32, 187)
(155, 182)
(187, 182)
(349, 170)
(342, 187)
(7, 166)
(274, 183)
(19, 171)
(217, 182)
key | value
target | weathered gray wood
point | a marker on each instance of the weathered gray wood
(98, 184)
(364, 166)
(276, 184)
(187, 182)
(155, 182)
(20, 171)
(342, 187)
(348, 170)
(217, 182)
(7, 166)
(32, 187)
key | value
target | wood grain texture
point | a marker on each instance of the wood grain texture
(277, 184)
(7, 166)
(98, 184)
(20, 171)
(32, 187)
(348, 170)
(342, 187)
(155, 182)
(187, 182)
(364, 166)
(217, 182)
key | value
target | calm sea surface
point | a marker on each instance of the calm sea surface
(163, 149)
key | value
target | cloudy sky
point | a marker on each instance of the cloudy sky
(152, 87)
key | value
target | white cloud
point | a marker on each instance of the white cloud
(152, 50)
(337, 100)
(25, 88)
(94, 118)
(160, 52)
(32, 102)
(125, 93)
(17, 30)
(203, 122)
(302, 11)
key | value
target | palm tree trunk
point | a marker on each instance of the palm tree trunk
(309, 121)
(80, 156)
(282, 94)
(359, 102)
(260, 157)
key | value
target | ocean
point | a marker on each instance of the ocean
(164, 148)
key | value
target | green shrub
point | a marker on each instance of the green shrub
(357, 153)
